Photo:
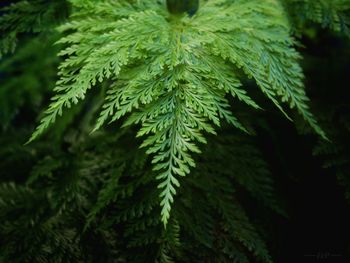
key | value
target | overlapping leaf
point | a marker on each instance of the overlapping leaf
(173, 73)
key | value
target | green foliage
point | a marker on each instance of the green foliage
(92, 197)
(332, 14)
(20, 85)
(335, 154)
(113, 190)
(103, 181)
(25, 17)
(176, 71)
(333, 110)
(234, 233)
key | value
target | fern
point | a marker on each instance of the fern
(333, 109)
(39, 236)
(332, 14)
(175, 72)
(112, 190)
(25, 17)
(20, 85)
(234, 234)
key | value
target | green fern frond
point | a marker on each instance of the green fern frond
(229, 238)
(173, 72)
(41, 238)
(332, 14)
(24, 16)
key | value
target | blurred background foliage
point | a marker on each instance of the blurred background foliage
(73, 196)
